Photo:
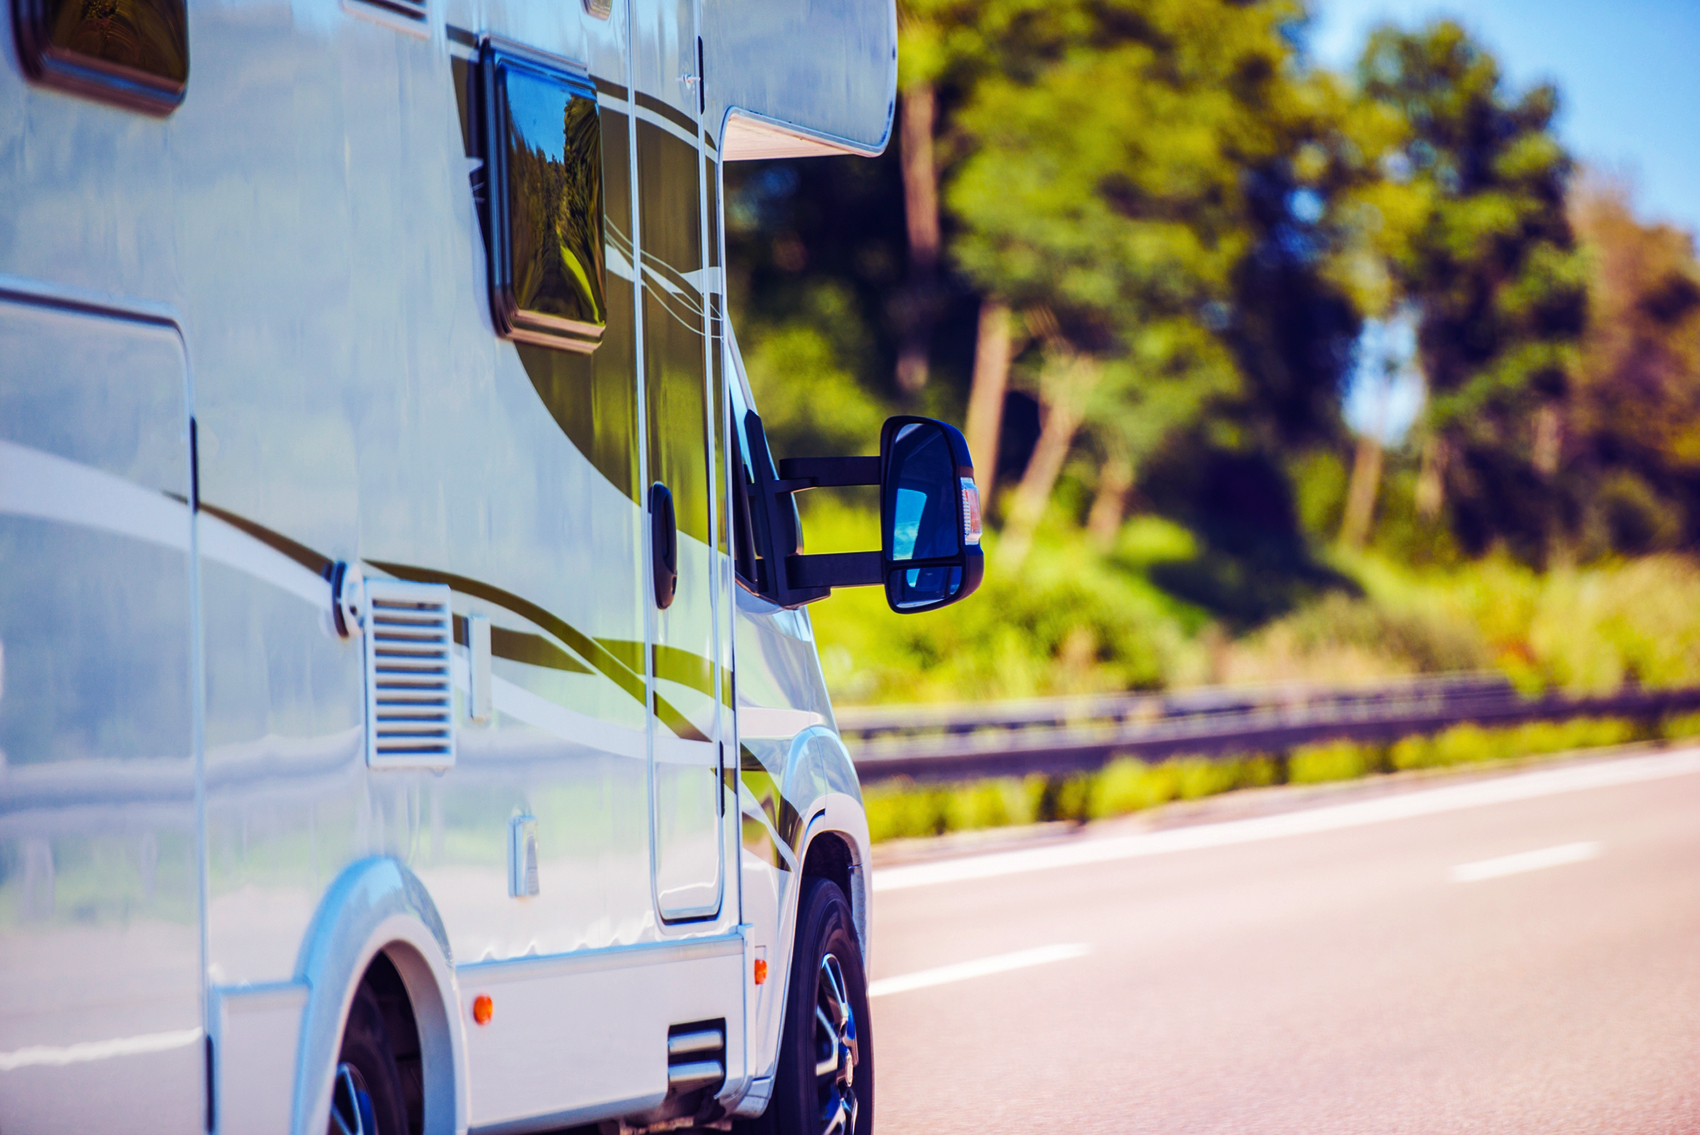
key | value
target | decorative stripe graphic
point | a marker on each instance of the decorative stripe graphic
(54, 1056)
(599, 656)
(567, 724)
(45, 486)
(677, 117)
(49, 487)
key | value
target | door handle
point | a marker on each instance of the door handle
(663, 545)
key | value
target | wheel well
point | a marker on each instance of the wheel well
(386, 985)
(828, 857)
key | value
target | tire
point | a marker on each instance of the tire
(809, 1097)
(367, 1098)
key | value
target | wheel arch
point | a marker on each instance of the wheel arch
(378, 906)
(836, 847)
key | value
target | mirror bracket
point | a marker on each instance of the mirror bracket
(834, 569)
(787, 577)
(798, 473)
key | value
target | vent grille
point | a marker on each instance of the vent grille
(409, 690)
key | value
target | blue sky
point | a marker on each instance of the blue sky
(1628, 73)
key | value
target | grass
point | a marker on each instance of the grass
(900, 809)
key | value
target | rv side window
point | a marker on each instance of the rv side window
(542, 135)
(134, 53)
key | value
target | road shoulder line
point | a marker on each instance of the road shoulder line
(1409, 805)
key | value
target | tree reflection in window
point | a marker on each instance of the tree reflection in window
(550, 141)
(132, 52)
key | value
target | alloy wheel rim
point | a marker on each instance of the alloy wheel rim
(351, 1104)
(836, 1049)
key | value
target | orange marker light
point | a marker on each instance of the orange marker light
(761, 970)
(483, 1008)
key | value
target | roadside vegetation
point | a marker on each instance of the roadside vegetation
(900, 809)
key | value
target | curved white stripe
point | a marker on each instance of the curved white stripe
(751, 808)
(49, 487)
(762, 723)
(567, 724)
(57, 1055)
(227, 544)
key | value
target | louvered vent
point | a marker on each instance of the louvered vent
(409, 693)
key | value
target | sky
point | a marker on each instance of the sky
(1628, 75)
(1627, 71)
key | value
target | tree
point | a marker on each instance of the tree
(1632, 424)
(1489, 260)
(1130, 173)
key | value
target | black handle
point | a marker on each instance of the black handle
(663, 544)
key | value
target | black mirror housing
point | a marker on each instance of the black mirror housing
(929, 553)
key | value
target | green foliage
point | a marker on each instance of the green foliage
(809, 402)
(901, 809)
(1153, 181)
(1680, 726)
(1467, 744)
(1071, 623)
(1337, 760)
(1486, 253)
(1360, 639)
(1633, 423)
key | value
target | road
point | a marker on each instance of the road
(1517, 954)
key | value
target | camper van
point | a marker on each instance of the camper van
(410, 719)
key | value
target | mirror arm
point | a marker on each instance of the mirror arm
(798, 473)
(834, 569)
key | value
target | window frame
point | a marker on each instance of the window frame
(511, 320)
(116, 84)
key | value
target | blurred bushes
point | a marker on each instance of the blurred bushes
(900, 809)
(1078, 621)
(1070, 624)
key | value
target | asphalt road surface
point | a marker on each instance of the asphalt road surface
(1514, 954)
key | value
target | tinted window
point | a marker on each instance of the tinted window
(545, 137)
(132, 52)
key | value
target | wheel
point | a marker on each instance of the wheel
(825, 1081)
(367, 1098)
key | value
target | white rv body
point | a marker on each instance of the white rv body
(247, 349)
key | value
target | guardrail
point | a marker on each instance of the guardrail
(1066, 735)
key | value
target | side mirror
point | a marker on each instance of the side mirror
(929, 515)
(929, 553)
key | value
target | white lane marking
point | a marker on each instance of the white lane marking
(1525, 861)
(84, 1051)
(1406, 805)
(962, 971)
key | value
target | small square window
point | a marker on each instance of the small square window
(542, 148)
(134, 53)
